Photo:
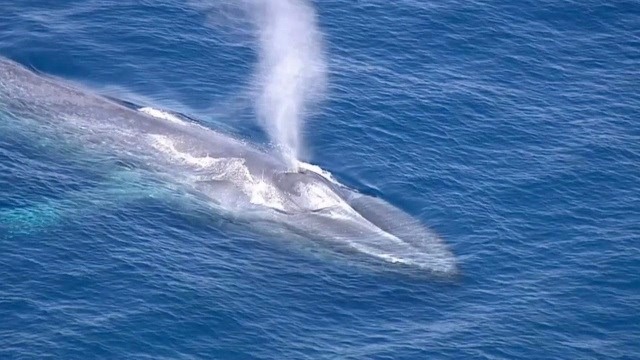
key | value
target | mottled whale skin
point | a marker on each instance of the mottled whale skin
(235, 176)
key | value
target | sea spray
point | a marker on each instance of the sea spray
(291, 70)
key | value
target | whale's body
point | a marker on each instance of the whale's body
(236, 177)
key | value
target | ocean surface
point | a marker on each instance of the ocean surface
(511, 129)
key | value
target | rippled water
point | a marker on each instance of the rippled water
(508, 128)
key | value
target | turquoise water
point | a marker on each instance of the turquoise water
(510, 129)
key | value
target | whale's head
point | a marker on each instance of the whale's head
(368, 224)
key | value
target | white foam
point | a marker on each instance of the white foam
(315, 196)
(262, 193)
(159, 114)
(258, 190)
(166, 145)
(316, 169)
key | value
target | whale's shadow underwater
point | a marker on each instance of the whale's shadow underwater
(235, 177)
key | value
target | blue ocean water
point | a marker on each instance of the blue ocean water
(509, 128)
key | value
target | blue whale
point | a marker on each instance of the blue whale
(234, 176)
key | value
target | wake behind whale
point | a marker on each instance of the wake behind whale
(236, 178)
